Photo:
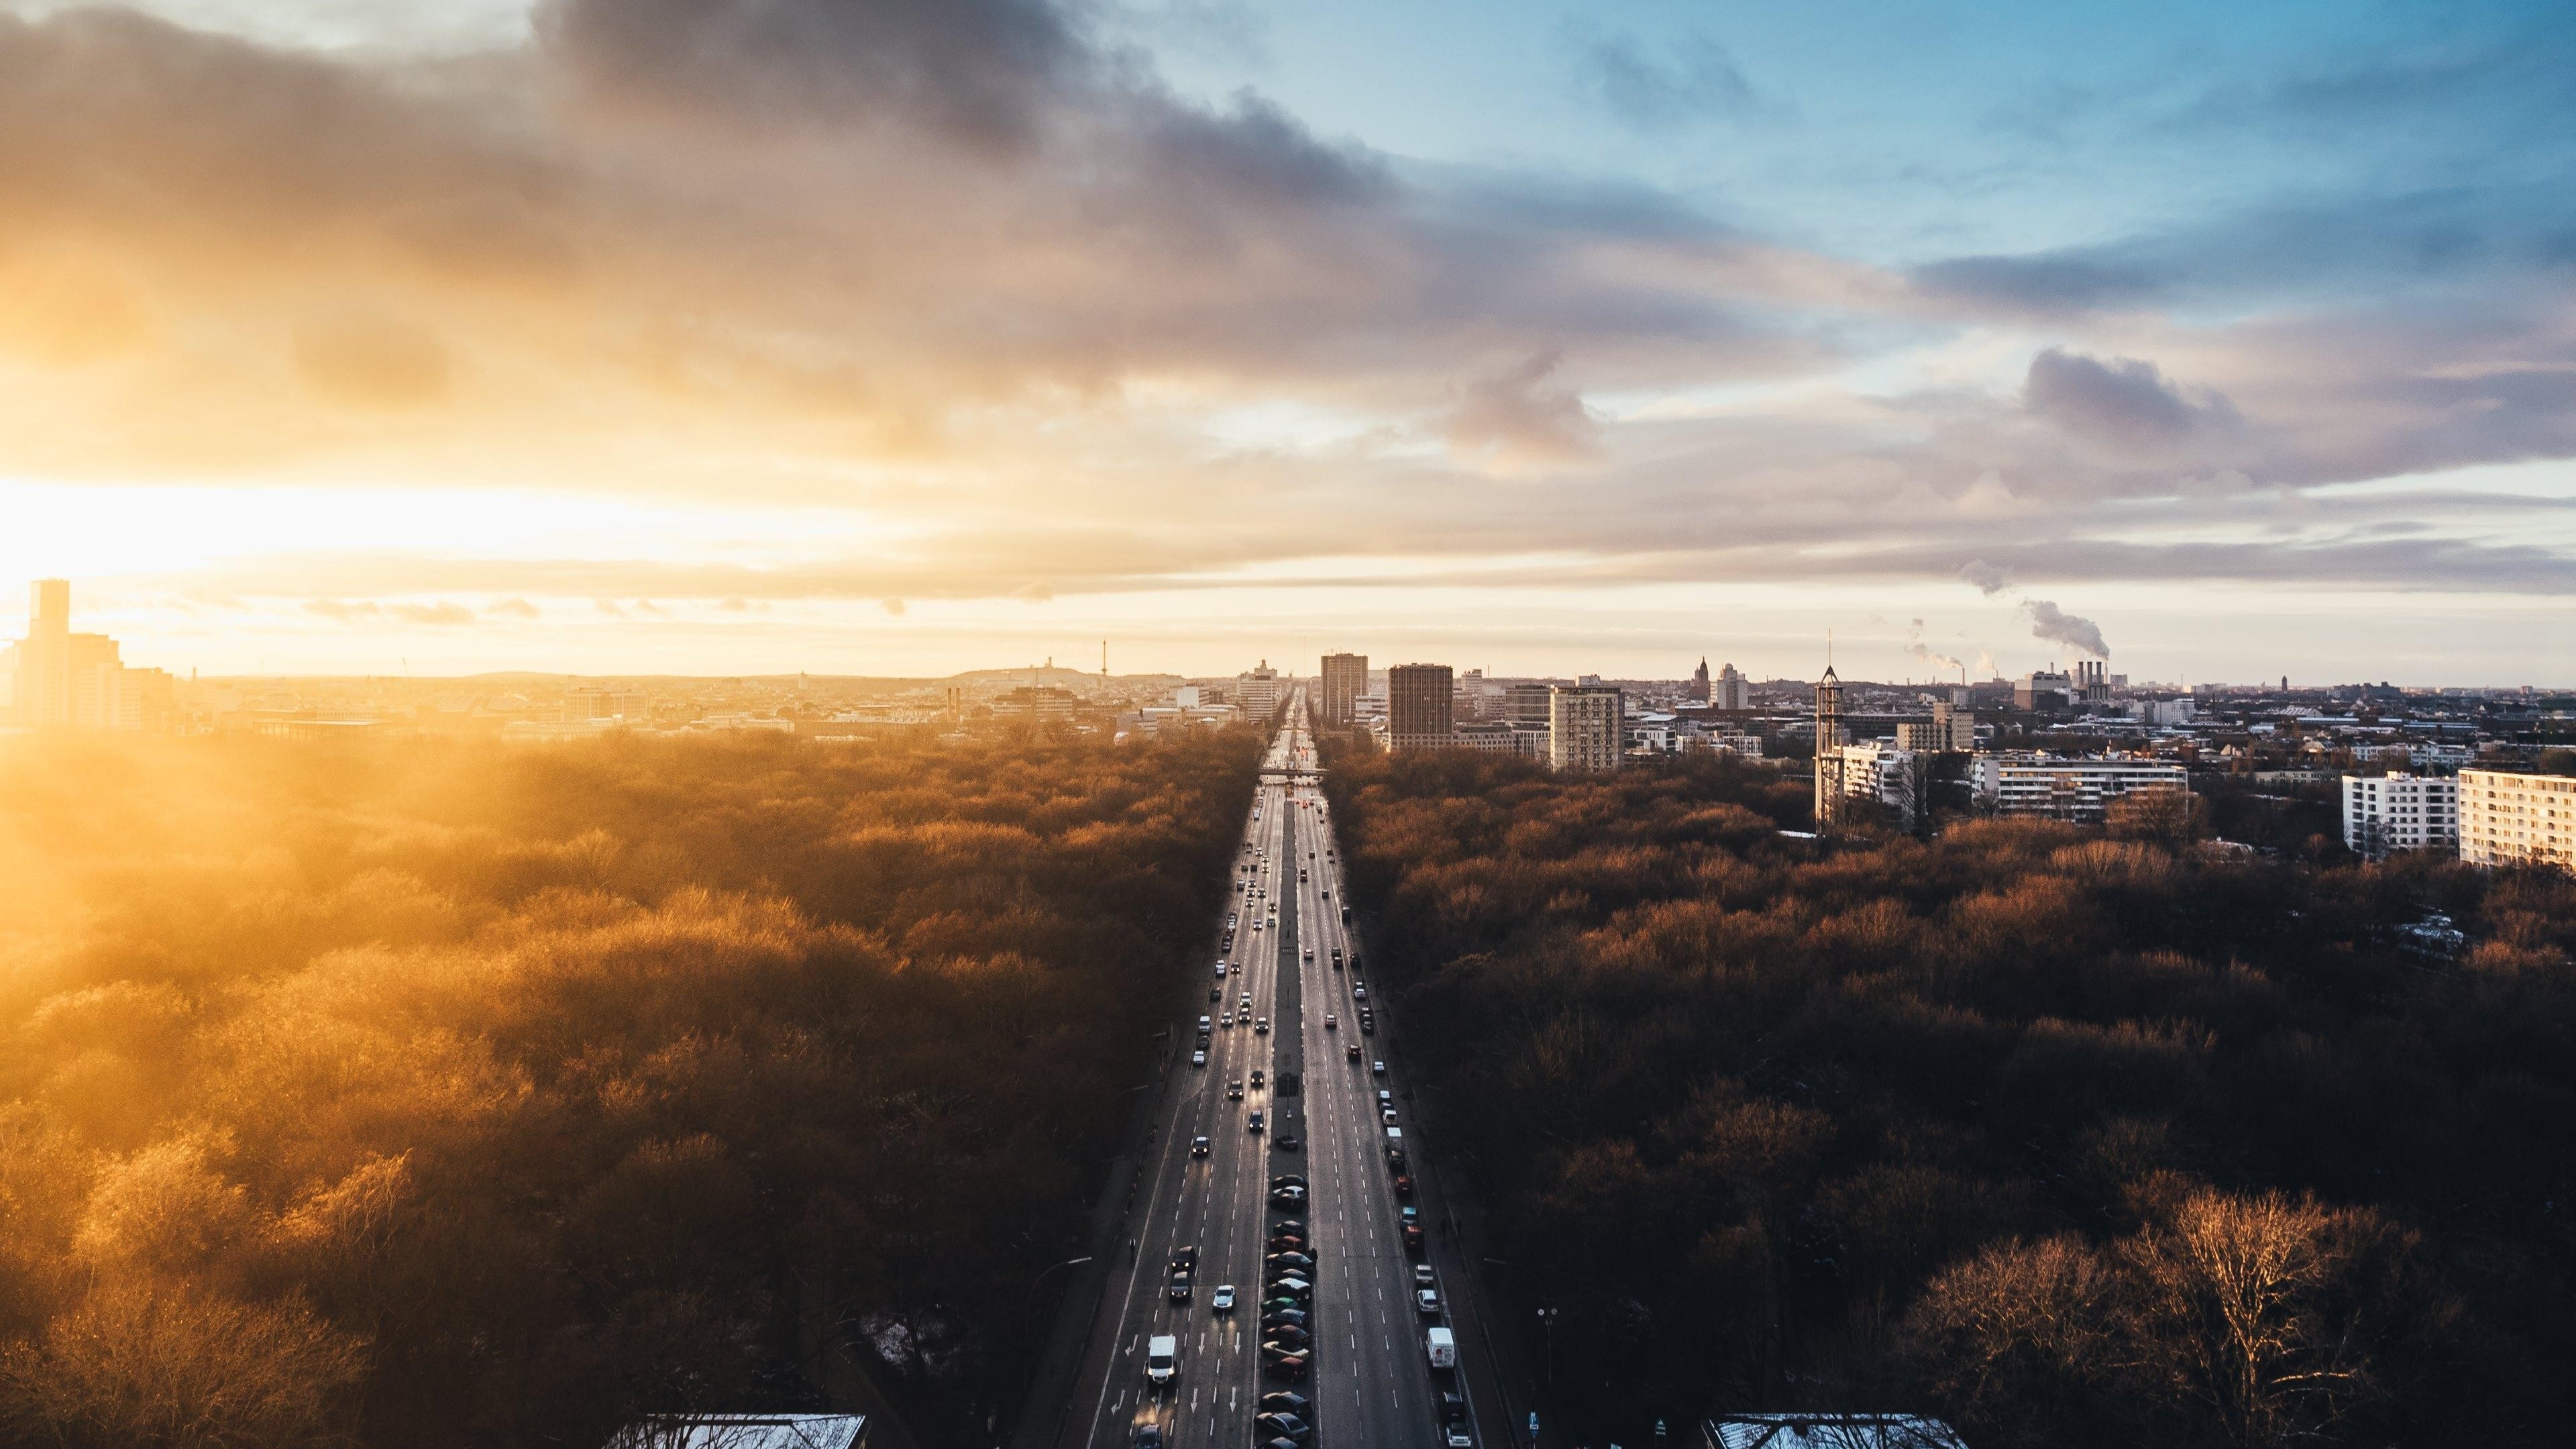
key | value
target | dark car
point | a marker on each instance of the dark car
(1281, 1401)
(1285, 1142)
(1286, 1426)
(1285, 1318)
(1289, 1225)
(1147, 1436)
(1403, 1185)
(1198, 1147)
(1290, 1260)
(1288, 1179)
(1180, 1287)
(1352, 1051)
(1453, 1407)
(1285, 1364)
(1289, 1335)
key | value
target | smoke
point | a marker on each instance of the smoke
(2047, 621)
(1990, 579)
(1924, 653)
(1987, 668)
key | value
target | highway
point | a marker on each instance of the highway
(1369, 1381)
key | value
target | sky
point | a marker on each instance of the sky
(911, 336)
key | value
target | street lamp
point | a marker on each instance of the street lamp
(1547, 1320)
(1029, 1309)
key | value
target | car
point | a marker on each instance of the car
(1289, 1225)
(1458, 1438)
(1284, 1317)
(1185, 1258)
(1198, 1147)
(1331, 1021)
(1358, 992)
(1220, 971)
(1403, 1185)
(1289, 1335)
(1254, 1122)
(1408, 1215)
(1284, 1363)
(1427, 1303)
(1352, 1051)
(1261, 1025)
(1256, 1079)
(1292, 1259)
(1222, 1300)
(1385, 1098)
(1146, 1436)
(1247, 998)
(1290, 1179)
(1216, 994)
(1289, 1285)
(1413, 1237)
(1386, 1116)
(1377, 1069)
(1285, 1426)
(1180, 1287)
(1327, 893)
(1309, 954)
(1285, 1142)
(1234, 1089)
(1198, 1059)
(1287, 1197)
(1281, 1401)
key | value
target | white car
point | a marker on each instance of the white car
(1222, 1301)
(1198, 1059)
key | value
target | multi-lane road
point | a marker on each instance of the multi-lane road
(1367, 1379)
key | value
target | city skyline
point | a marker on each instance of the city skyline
(350, 338)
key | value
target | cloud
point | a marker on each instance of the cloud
(367, 611)
(1924, 653)
(1520, 418)
(2125, 401)
(371, 362)
(892, 606)
(513, 609)
(1989, 579)
(2047, 621)
(439, 614)
(344, 612)
(1692, 81)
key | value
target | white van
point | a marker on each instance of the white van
(1163, 1358)
(1438, 1343)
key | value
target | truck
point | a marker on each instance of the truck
(1439, 1344)
(1163, 1358)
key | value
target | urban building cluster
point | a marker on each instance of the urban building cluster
(55, 679)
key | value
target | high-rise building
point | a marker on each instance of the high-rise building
(1828, 805)
(1345, 680)
(2508, 819)
(1259, 693)
(1419, 707)
(1525, 706)
(2400, 812)
(1731, 690)
(1699, 682)
(1587, 727)
(64, 680)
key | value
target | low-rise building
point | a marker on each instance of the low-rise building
(1876, 770)
(1821, 1429)
(2510, 819)
(2077, 790)
(2384, 813)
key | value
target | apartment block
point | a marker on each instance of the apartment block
(1345, 680)
(2078, 790)
(2508, 819)
(1587, 727)
(2398, 811)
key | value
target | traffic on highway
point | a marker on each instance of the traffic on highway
(1276, 1289)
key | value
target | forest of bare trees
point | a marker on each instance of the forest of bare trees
(2072, 1135)
(419, 1093)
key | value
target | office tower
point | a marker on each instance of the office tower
(1586, 727)
(1829, 740)
(1731, 690)
(1418, 707)
(2508, 819)
(1699, 682)
(1345, 680)
(45, 657)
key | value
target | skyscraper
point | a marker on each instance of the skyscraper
(1586, 727)
(1257, 691)
(1345, 680)
(1731, 690)
(45, 657)
(1419, 709)
(66, 680)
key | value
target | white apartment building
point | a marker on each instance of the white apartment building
(1730, 689)
(1587, 727)
(2079, 790)
(1259, 691)
(1876, 770)
(2399, 812)
(1493, 736)
(2517, 819)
